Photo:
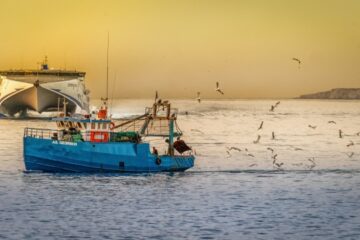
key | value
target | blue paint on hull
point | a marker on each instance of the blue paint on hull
(56, 156)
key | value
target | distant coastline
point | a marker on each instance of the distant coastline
(336, 93)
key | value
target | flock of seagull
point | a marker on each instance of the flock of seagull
(311, 163)
(218, 89)
(276, 164)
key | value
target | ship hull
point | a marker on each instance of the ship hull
(43, 91)
(86, 157)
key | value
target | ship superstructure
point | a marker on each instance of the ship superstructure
(42, 90)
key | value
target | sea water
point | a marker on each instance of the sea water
(229, 194)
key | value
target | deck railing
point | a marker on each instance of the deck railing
(68, 136)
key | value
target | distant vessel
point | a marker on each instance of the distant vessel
(41, 91)
(90, 144)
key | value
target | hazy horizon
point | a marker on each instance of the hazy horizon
(180, 48)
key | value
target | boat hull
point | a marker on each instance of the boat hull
(86, 157)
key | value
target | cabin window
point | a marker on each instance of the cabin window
(92, 125)
(85, 125)
(61, 123)
(99, 125)
(104, 126)
(79, 125)
(58, 124)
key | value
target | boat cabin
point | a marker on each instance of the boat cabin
(93, 130)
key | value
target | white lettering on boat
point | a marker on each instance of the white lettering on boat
(64, 143)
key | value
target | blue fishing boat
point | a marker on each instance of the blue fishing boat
(99, 144)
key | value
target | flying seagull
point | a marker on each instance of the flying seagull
(250, 155)
(218, 88)
(270, 149)
(234, 148)
(228, 153)
(257, 140)
(297, 60)
(273, 135)
(278, 165)
(274, 158)
(198, 97)
(261, 125)
(313, 127)
(272, 108)
(350, 144)
(312, 160)
(333, 122)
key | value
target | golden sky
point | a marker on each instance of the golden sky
(181, 47)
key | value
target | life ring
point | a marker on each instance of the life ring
(158, 161)
(112, 125)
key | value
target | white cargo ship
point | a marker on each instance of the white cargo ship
(41, 91)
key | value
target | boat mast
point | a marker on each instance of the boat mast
(102, 114)
(107, 69)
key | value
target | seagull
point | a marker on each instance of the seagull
(234, 148)
(333, 122)
(270, 149)
(278, 165)
(250, 155)
(298, 149)
(274, 158)
(340, 133)
(350, 155)
(228, 152)
(246, 150)
(297, 60)
(261, 125)
(253, 165)
(350, 144)
(274, 106)
(218, 89)
(257, 140)
(313, 127)
(198, 97)
(273, 135)
(312, 160)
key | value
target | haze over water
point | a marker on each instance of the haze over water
(223, 197)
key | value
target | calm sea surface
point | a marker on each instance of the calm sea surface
(315, 194)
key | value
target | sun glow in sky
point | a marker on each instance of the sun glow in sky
(181, 47)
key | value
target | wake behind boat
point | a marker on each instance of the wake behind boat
(95, 145)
